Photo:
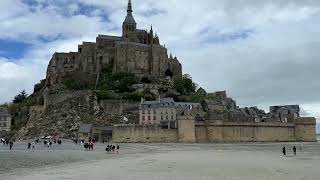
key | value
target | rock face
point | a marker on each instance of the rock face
(63, 118)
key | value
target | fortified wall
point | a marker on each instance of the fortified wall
(52, 99)
(303, 129)
(143, 134)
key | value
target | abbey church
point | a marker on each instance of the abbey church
(136, 51)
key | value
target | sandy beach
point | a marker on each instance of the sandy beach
(168, 161)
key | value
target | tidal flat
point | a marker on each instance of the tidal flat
(250, 161)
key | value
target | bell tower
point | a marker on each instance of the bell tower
(129, 25)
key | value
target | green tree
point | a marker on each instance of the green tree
(20, 97)
(185, 85)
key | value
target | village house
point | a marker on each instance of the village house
(163, 112)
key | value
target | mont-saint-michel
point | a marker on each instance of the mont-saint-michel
(127, 94)
(131, 84)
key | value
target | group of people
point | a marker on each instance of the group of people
(112, 148)
(89, 146)
(46, 143)
(284, 150)
(7, 142)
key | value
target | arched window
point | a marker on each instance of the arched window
(66, 61)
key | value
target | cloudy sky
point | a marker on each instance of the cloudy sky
(262, 52)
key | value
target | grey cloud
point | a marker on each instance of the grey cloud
(278, 63)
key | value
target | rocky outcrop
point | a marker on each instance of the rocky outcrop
(63, 118)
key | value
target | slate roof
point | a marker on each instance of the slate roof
(129, 19)
(167, 102)
(163, 102)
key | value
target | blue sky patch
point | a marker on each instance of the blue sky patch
(13, 49)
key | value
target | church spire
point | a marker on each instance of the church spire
(129, 7)
(129, 25)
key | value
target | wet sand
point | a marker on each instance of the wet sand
(170, 161)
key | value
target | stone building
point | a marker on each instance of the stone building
(5, 119)
(84, 132)
(99, 133)
(163, 112)
(218, 101)
(135, 51)
(285, 113)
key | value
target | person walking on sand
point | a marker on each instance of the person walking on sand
(118, 147)
(284, 150)
(29, 145)
(11, 144)
(295, 150)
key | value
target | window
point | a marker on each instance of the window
(167, 118)
(4, 124)
(149, 111)
(171, 117)
(154, 118)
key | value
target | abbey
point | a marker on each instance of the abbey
(136, 51)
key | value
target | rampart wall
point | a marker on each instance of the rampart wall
(52, 99)
(217, 131)
(303, 129)
(143, 134)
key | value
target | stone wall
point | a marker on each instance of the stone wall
(201, 134)
(186, 129)
(52, 99)
(218, 131)
(143, 134)
(305, 129)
